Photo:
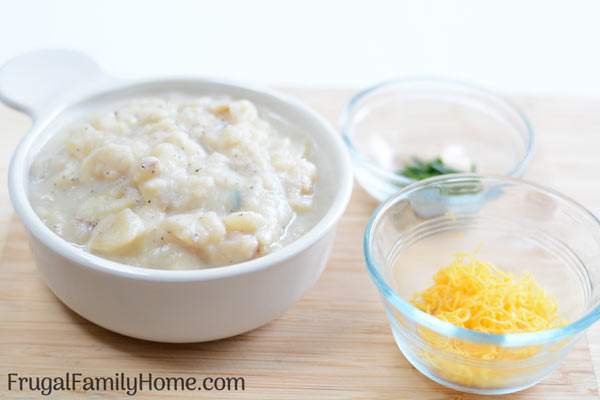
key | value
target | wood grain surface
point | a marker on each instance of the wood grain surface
(333, 344)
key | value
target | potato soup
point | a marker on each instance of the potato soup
(176, 183)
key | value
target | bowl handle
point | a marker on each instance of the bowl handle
(37, 82)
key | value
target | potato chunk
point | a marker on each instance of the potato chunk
(195, 230)
(244, 221)
(116, 233)
(145, 169)
(108, 162)
(96, 208)
(242, 111)
(82, 141)
(235, 248)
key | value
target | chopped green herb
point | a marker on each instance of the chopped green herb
(419, 169)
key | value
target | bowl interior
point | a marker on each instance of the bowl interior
(391, 123)
(287, 115)
(519, 227)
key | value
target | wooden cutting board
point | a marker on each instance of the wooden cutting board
(334, 344)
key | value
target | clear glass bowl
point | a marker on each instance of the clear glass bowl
(388, 124)
(516, 225)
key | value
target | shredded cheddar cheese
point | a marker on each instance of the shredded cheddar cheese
(476, 295)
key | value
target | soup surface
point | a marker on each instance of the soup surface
(176, 183)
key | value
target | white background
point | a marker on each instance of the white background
(509, 45)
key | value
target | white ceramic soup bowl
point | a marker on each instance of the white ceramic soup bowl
(56, 87)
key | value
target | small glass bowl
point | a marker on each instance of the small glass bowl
(517, 226)
(388, 124)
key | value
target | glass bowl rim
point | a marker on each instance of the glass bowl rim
(445, 328)
(346, 121)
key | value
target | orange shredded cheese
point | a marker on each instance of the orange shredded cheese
(476, 295)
